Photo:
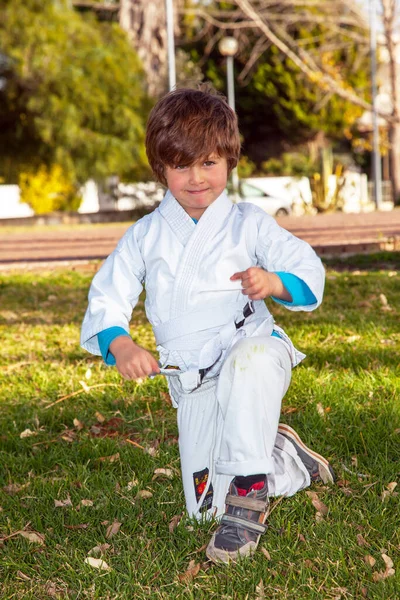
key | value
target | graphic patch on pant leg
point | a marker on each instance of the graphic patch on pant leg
(200, 480)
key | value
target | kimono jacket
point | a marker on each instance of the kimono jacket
(191, 304)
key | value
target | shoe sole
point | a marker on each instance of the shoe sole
(218, 555)
(325, 470)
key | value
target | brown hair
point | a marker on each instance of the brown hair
(187, 125)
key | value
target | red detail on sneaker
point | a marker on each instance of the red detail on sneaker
(256, 486)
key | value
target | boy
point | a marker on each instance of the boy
(207, 266)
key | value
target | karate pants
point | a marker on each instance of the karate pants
(229, 425)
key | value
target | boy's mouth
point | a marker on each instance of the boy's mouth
(198, 191)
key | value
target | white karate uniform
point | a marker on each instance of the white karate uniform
(228, 424)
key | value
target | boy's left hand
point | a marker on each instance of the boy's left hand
(258, 284)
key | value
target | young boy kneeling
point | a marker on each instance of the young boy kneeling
(207, 265)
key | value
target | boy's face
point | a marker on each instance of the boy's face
(195, 187)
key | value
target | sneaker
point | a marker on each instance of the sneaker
(317, 466)
(241, 525)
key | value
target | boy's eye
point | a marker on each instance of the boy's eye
(209, 163)
(181, 167)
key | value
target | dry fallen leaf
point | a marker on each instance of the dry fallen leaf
(192, 571)
(63, 503)
(151, 451)
(33, 536)
(112, 529)
(78, 424)
(99, 417)
(14, 488)
(369, 560)
(266, 553)
(53, 590)
(320, 410)
(260, 591)
(174, 522)
(88, 373)
(391, 486)
(163, 473)
(85, 503)
(97, 563)
(318, 505)
(308, 563)
(68, 436)
(388, 572)
(361, 541)
(111, 459)
(131, 484)
(98, 550)
(27, 433)
(143, 495)
(383, 299)
(388, 561)
(22, 576)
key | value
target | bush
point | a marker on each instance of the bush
(48, 189)
(292, 164)
(246, 167)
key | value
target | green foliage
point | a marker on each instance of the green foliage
(279, 107)
(292, 164)
(48, 189)
(73, 95)
(301, 106)
(246, 167)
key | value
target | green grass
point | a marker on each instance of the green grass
(344, 401)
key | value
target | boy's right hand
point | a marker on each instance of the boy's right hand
(132, 361)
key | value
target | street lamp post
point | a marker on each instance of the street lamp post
(169, 11)
(376, 156)
(228, 47)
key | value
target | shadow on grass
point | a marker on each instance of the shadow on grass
(34, 301)
(381, 261)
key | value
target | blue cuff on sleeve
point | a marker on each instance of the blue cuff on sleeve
(105, 338)
(297, 288)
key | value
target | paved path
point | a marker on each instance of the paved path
(331, 234)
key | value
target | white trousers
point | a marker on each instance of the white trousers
(229, 427)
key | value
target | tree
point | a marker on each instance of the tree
(390, 13)
(277, 23)
(282, 97)
(72, 93)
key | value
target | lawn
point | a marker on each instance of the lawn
(89, 464)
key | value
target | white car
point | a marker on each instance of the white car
(277, 207)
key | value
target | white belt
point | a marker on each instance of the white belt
(212, 353)
(195, 321)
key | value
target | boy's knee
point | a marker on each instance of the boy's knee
(254, 352)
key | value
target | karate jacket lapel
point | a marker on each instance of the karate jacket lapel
(195, 239)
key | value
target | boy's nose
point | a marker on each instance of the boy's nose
(195, 175)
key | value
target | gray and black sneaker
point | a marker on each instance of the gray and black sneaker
(317, 466)
(241, 525)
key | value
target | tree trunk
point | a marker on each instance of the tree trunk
(389, 19)
(394, 159)
(145, 23)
